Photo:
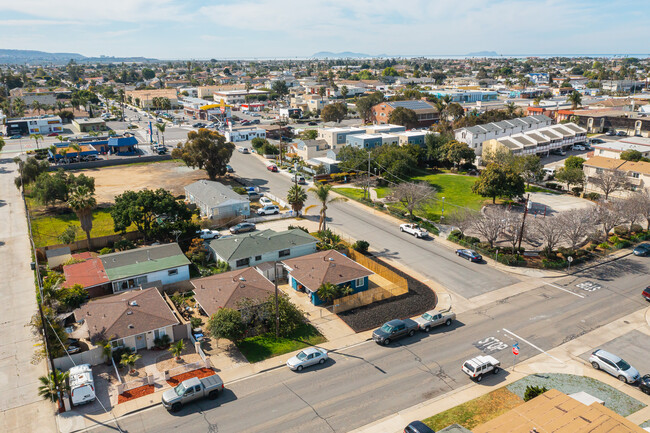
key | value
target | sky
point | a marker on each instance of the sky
(205, 29)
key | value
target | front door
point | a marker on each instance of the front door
(140, 341)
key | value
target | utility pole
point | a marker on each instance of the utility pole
(368, 184)
(523, 221)
(277, 311)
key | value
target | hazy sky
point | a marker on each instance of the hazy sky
(204, 29)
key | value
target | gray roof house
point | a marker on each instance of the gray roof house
(250, 249)
(216, 200)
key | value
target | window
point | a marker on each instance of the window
(258, 258)
(599, 170)
(635, 175)
(284, 253)
(359, 282)
(172, 272)
(242, 262)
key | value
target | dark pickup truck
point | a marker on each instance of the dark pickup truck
(394, 330)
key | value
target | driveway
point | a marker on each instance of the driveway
(22, 408)
(632, 347)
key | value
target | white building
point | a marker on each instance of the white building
(237, 96)
(540, 141)
(244, 133)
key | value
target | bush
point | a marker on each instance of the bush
(118, 352)
(622, 244)
(239, 190)
(485, 246)
(614, 239)
(105, 250)
(361, 246)
(196, 322)
(591, 247)
(511, 260)
(551, 185)
(227, 323)
(304, 229)
(577, 190)
(552, 264)
(162, 341)
(621, 231)
(593, 196)
(604, 246)
(123, 245)
(533, 391)
(72, 297)
(472, 240)
(455, 234)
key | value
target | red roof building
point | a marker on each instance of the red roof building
(90, 274)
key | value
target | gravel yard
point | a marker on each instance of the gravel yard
(419, 299)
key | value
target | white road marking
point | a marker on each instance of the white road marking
(564, 290)
(531, 344)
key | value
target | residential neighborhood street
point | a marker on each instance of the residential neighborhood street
(368, 382)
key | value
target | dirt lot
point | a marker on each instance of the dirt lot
(112, 181)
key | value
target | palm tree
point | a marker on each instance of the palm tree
(36, 106)
(53, 385)
(177, 348)
(161, 127)
(82, 203)
(60, 105)
(575, 98)
(328, 291)
(322, 192)
(129, 360)
(18, 106)
(36, 137)
(296, 197)
(76, 148)
(511, 108)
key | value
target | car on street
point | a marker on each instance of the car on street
(242, 228)
(614, 365)
(229, 169)
(299, 179)
(477, 367)
(265, 201)
(610, 133)
(272, 167)
(621, 134)
(414, 229)
(15, 136)
(434, 318)
(418, 427)
(577, 147)
(597, 141)
(642, 250)
(312, 124)
(470, 255)
(191, 390)
(243, 150)
(307, 357)
(646, 293)
(268, 210)
(394, 330)
(644, 384)
(53, 134)
(208, 234)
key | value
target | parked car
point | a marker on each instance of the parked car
(470, 255)
(253, 195)
(621, 134)
(306, 358)
(242, 228)
(243, 150)
(642, 250)
(646, 293)
(272, 167)
(92, 158)
(558, 152)
(477, 367)
(610, 133)
(414, 229)
(208, 234)
(434, 318)
(229, 169)
(596, 141)
(268, 210)
(82, 384)
(644, 384)
(53, 134)
(15, 137)
(312, 123)
(549, 171)
(299, 179)
(265, 201)
(73, 345)
(577, 147)
(612, 364)
(418, 427)
(190, 390)
(394, 330)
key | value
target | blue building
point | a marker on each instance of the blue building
(364, 141)
(122, 145)
(309, 273)
(466, 95)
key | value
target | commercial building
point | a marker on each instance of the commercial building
(41, 95)
(86, 124)
(244, 133)
(33, 125)
(462, 96)
(208, 91)
(145, 98)
(336, 137)
(621, 85)
(239, 96)
(206, 110)
(427, 113)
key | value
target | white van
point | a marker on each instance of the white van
(549, 171)
(82, 385)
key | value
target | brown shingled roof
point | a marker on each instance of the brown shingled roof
(325, 267)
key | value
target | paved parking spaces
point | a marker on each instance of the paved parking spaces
(633, 347)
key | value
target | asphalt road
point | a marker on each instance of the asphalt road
(425, 256)
(368, 382)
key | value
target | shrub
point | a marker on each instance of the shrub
(621, 231)
(614, 239)
(591, 247)
(551, 185)
(622, 244)
(361, 246)
(162, 341)
(123, 245)
(118, 352)
(455, 234)
(472, 240)
(604, 246)
(511, 260)
(593, 196)
(239, 190)
(533, 391)
(577, 190)
(553, 264)
(105, 250)
(72, 297)
(484, 245)
(196, 322)
(304, 229)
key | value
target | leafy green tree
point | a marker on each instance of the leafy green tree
(227, 323)
(435, 144)
(530, 167)
(291, 318)
(148, 74)
(50, 188)
(280, 87)
(53, 386)
(321, 92)
(389, 72)
(322, 193)
(395, 162)
(334, 112)
(82, 203)
(364, 105)
(353, 159)
(206, 150)
(570, 176)
(72, 297)
(297, 197)
(574, 162)
(328, 291)
(497, 181)
(457, 152)
(403, 116)
(68, 235)
(29, 170)
(155, 214)
(627, 155)
(310, 134)
(344, 92)
(575, 98)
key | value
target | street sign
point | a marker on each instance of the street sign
(516, 345)
(515, 351)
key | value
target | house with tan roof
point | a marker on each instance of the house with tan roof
(637, 174)
(309, 273)
(130, 319)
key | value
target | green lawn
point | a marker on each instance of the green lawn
(476, 412)
(47, 228)
(265, 346)
(351, 193)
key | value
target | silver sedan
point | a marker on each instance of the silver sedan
(307, 357)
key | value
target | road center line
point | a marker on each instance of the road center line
(531, 344)
(565, 290)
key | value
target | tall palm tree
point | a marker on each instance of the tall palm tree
(18, 106)
(296, 197)
(36, 106)
(575, 98)
(511, 108)
(36, 138)
(161, 127)
(48, 390)
(82, 203)
(76, 148)
(322, 193)
(60, 105)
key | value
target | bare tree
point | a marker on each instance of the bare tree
(413, 195)
(547, 230)
(609, 181)
(632, 209)
(490, 225)
(609, 214)
(512, 227)
(365, 183)
(577, 224)
(462, 218)
(640, 202)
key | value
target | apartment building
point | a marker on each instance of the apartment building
(637, 174)
(540, 141)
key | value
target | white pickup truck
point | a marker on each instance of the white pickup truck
(434, 318)
(477, 367)
(208, 234)
(414, 229)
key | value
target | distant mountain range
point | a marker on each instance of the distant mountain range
(39, 57)
(344, 55)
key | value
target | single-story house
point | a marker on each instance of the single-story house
(131, 319)
(309, 273)
(216, 200)
(122, 145)
(90, 274)
(250, 249)
(227, 289)
(308, 149)
(87, 124)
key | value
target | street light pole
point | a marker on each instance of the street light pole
(277, 311)
(442, 215)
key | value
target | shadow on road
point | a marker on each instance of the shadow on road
(226, 396)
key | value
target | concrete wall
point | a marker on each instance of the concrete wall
(92, 357)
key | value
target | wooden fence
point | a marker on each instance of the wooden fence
(397, 286)
(97, 243)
